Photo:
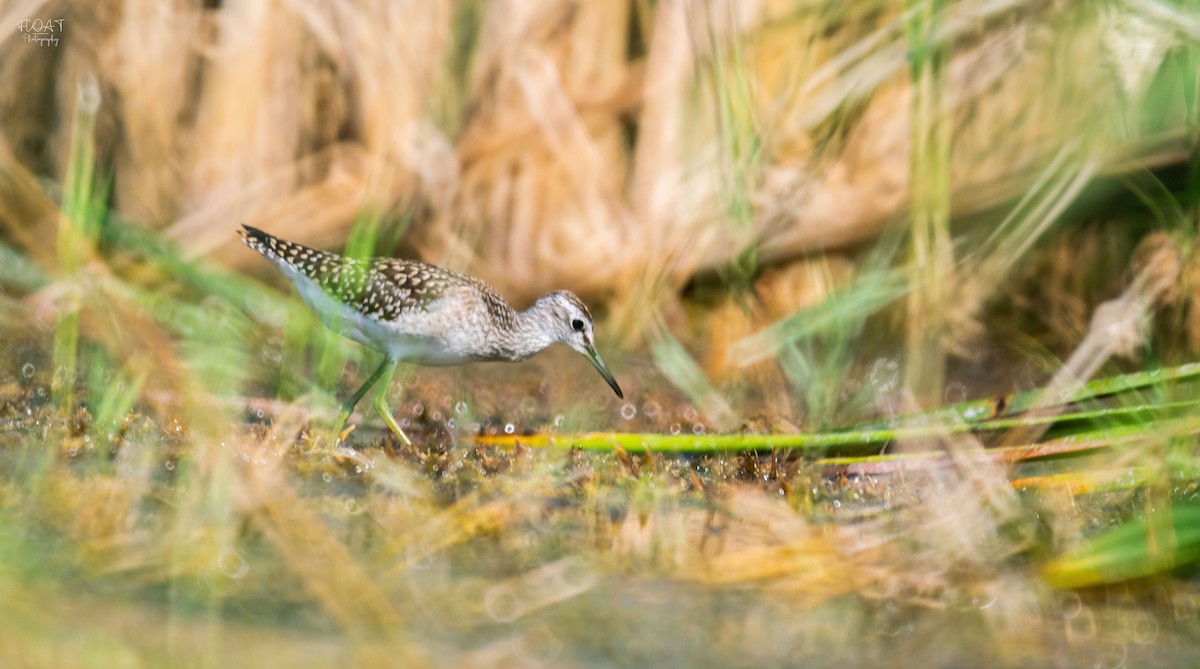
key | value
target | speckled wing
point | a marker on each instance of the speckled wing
(395, 286)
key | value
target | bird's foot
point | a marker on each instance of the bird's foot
(396, 430)
(386, 414)
(394, 426)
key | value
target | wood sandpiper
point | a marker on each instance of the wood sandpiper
(423, 314)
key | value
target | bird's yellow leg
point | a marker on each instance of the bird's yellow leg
(386, 368)
(384, 412)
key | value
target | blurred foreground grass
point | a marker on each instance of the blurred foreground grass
(140, 545)
(144, 547)
(816, 235)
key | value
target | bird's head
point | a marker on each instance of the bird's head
(571, 324)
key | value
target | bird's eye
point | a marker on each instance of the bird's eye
(577, 324)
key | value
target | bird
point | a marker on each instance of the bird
(417, 313)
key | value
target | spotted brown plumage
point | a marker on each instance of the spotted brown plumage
(380, 288)
(420, 313)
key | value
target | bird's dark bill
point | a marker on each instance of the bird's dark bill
(594, 358)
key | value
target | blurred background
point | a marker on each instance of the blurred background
(787, 215)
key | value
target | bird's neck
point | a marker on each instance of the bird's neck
(530, 333)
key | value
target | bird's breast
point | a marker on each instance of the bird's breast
(452, 329)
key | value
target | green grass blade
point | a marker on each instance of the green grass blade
(1135, 549)
(977, 411)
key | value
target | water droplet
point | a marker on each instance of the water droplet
(1069, 605)
(698, 428)
(232, 564)
(955, 393)
(509, 428)
(170, 465)
(27, 370)
(837, 504)
(1144, 628)
(460, 407)
(675, 428)
(502, 604)
(64, 375)
(326, 477)
(628, 411)
(538, 646)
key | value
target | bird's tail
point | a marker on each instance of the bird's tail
(289, 256)
(272, 247)
(258, 240)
